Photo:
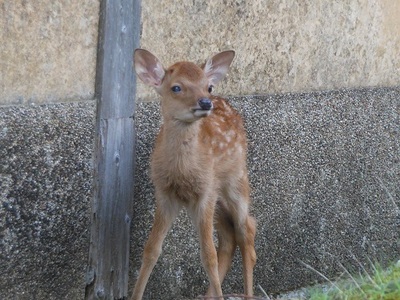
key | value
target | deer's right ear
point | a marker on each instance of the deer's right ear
(148, 68)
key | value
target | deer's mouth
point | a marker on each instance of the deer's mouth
(201, 109)
(201, 112)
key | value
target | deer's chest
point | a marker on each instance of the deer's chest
(182, 177)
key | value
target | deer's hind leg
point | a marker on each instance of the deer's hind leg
(202, 216)
(226, 242)
(237, 200)
(245, 236)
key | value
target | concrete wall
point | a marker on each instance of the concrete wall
(281, 46)
(47, 113)
(324, 169)
(324, 166)
(45, 191)
(50, 56)
(48, 50)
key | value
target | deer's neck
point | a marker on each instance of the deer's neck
(181, 138)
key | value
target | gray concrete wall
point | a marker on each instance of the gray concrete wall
(324, 166)
(47, 110)
(45, 191)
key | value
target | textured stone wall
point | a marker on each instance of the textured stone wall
(47, 50)
(324, 169)
(47, 55)
(324, 166)
(281, 46)
(45, 190)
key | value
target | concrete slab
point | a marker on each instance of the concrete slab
(324, 168)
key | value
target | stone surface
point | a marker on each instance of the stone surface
(45, 191)
(324, 168)
(47, 50)
(281, 45)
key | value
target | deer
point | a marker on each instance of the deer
(198, 163)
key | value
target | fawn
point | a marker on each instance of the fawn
(199, 162)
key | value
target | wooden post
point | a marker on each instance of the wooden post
(119, 27)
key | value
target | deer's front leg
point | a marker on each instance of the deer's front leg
(166, 212)
(203, 220)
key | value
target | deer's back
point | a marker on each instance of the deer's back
(223, 132)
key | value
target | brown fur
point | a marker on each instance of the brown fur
(199, 162)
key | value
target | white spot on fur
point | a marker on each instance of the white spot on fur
(218, 129)
(239, 149)
(229, 136)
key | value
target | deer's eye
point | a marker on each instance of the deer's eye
(176, 89)
(210, 88)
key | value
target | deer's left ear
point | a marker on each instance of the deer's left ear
(217, 66)
(148, 68)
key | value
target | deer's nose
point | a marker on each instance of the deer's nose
(205, 103)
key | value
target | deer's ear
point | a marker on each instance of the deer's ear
(217, 66)
(148, 68)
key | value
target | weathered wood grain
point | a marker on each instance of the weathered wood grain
(107, 275)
